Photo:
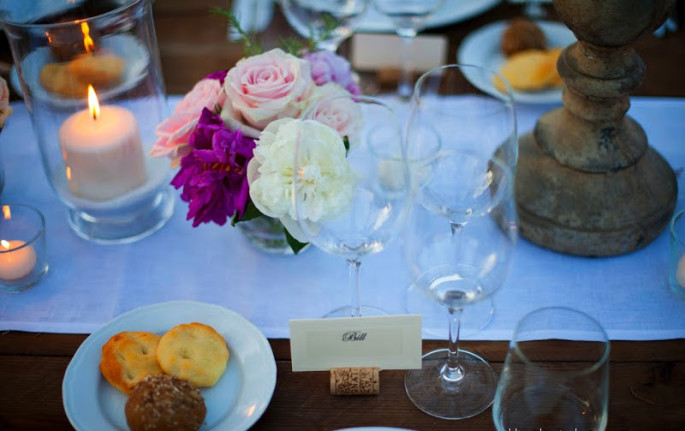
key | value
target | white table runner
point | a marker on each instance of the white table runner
(89, 284)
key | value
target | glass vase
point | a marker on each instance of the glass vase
(91, 79)
(267, 234)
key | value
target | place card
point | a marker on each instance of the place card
(383, 51)
(386, 342)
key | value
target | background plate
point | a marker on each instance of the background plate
(236, 401)
(482, 48)
(451, 11)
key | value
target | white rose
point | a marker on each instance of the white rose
(325, 176)
(334, 106)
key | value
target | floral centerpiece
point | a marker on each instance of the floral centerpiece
(233, 137)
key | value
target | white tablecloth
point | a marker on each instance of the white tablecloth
(89, 284)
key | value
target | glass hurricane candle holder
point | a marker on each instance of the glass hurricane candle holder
(22, 247)
(92, 81)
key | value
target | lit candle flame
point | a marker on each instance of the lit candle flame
(68, 173)
(87, 41)
(6, 212)
(5, 244)
(93, 104)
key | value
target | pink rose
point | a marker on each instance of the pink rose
(264, 88)
(174, 132)
(334, 106)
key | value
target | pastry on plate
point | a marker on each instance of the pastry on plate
(531, 70)
(129, 357)
(193, 352)
(522, 34)
(165, 403)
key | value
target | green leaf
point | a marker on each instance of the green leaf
(292, 45)
(346, 143)
(251, 46)
(294, 244)
(251, 212)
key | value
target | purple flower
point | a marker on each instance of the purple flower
(220, 75)
(326, 66)
(213, 174)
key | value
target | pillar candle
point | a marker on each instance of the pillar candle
(103, 154)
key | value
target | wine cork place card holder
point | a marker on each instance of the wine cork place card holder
(355, 349)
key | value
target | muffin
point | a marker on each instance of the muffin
(522, 34)
(165, 403)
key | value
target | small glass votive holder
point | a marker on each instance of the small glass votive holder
(23, 260)
(676, 271)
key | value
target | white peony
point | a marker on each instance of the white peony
(326, 180)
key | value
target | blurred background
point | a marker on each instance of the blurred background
(194, 43)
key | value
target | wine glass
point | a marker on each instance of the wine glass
(475, 124)
(454, 383)
(561, 382)
(329, 22)
(471, 181)
(408, 17)
(425, 227)
(366, 208)
(426, 245)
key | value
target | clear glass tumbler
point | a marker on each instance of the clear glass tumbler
(91, 79)
(556, 374)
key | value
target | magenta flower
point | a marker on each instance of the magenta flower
(213, 174)
(326, 66)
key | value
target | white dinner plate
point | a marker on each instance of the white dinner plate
(450, 12)
(234, 403)
(482, 48)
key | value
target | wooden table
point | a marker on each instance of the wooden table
(647, 389)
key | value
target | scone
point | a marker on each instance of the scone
(165, 403)
(193, 352)
(129, 357)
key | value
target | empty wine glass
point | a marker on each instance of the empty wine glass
(425, 227)
(329, 22)
(364, 201)
(471, 187)
(475, 125)
(409, 17)
(454, 383)
(556, 374)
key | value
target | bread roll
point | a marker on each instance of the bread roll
(193, 352)
(165, 403)
(129, 357)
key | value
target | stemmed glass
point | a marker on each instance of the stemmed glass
(373, 203)
(409, 17)
(556, 374)
(475, 125)
(471, 187)
(328, 21)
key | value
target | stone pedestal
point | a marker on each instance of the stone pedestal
(587, 182)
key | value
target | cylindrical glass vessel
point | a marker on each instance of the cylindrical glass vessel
(91, 78)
